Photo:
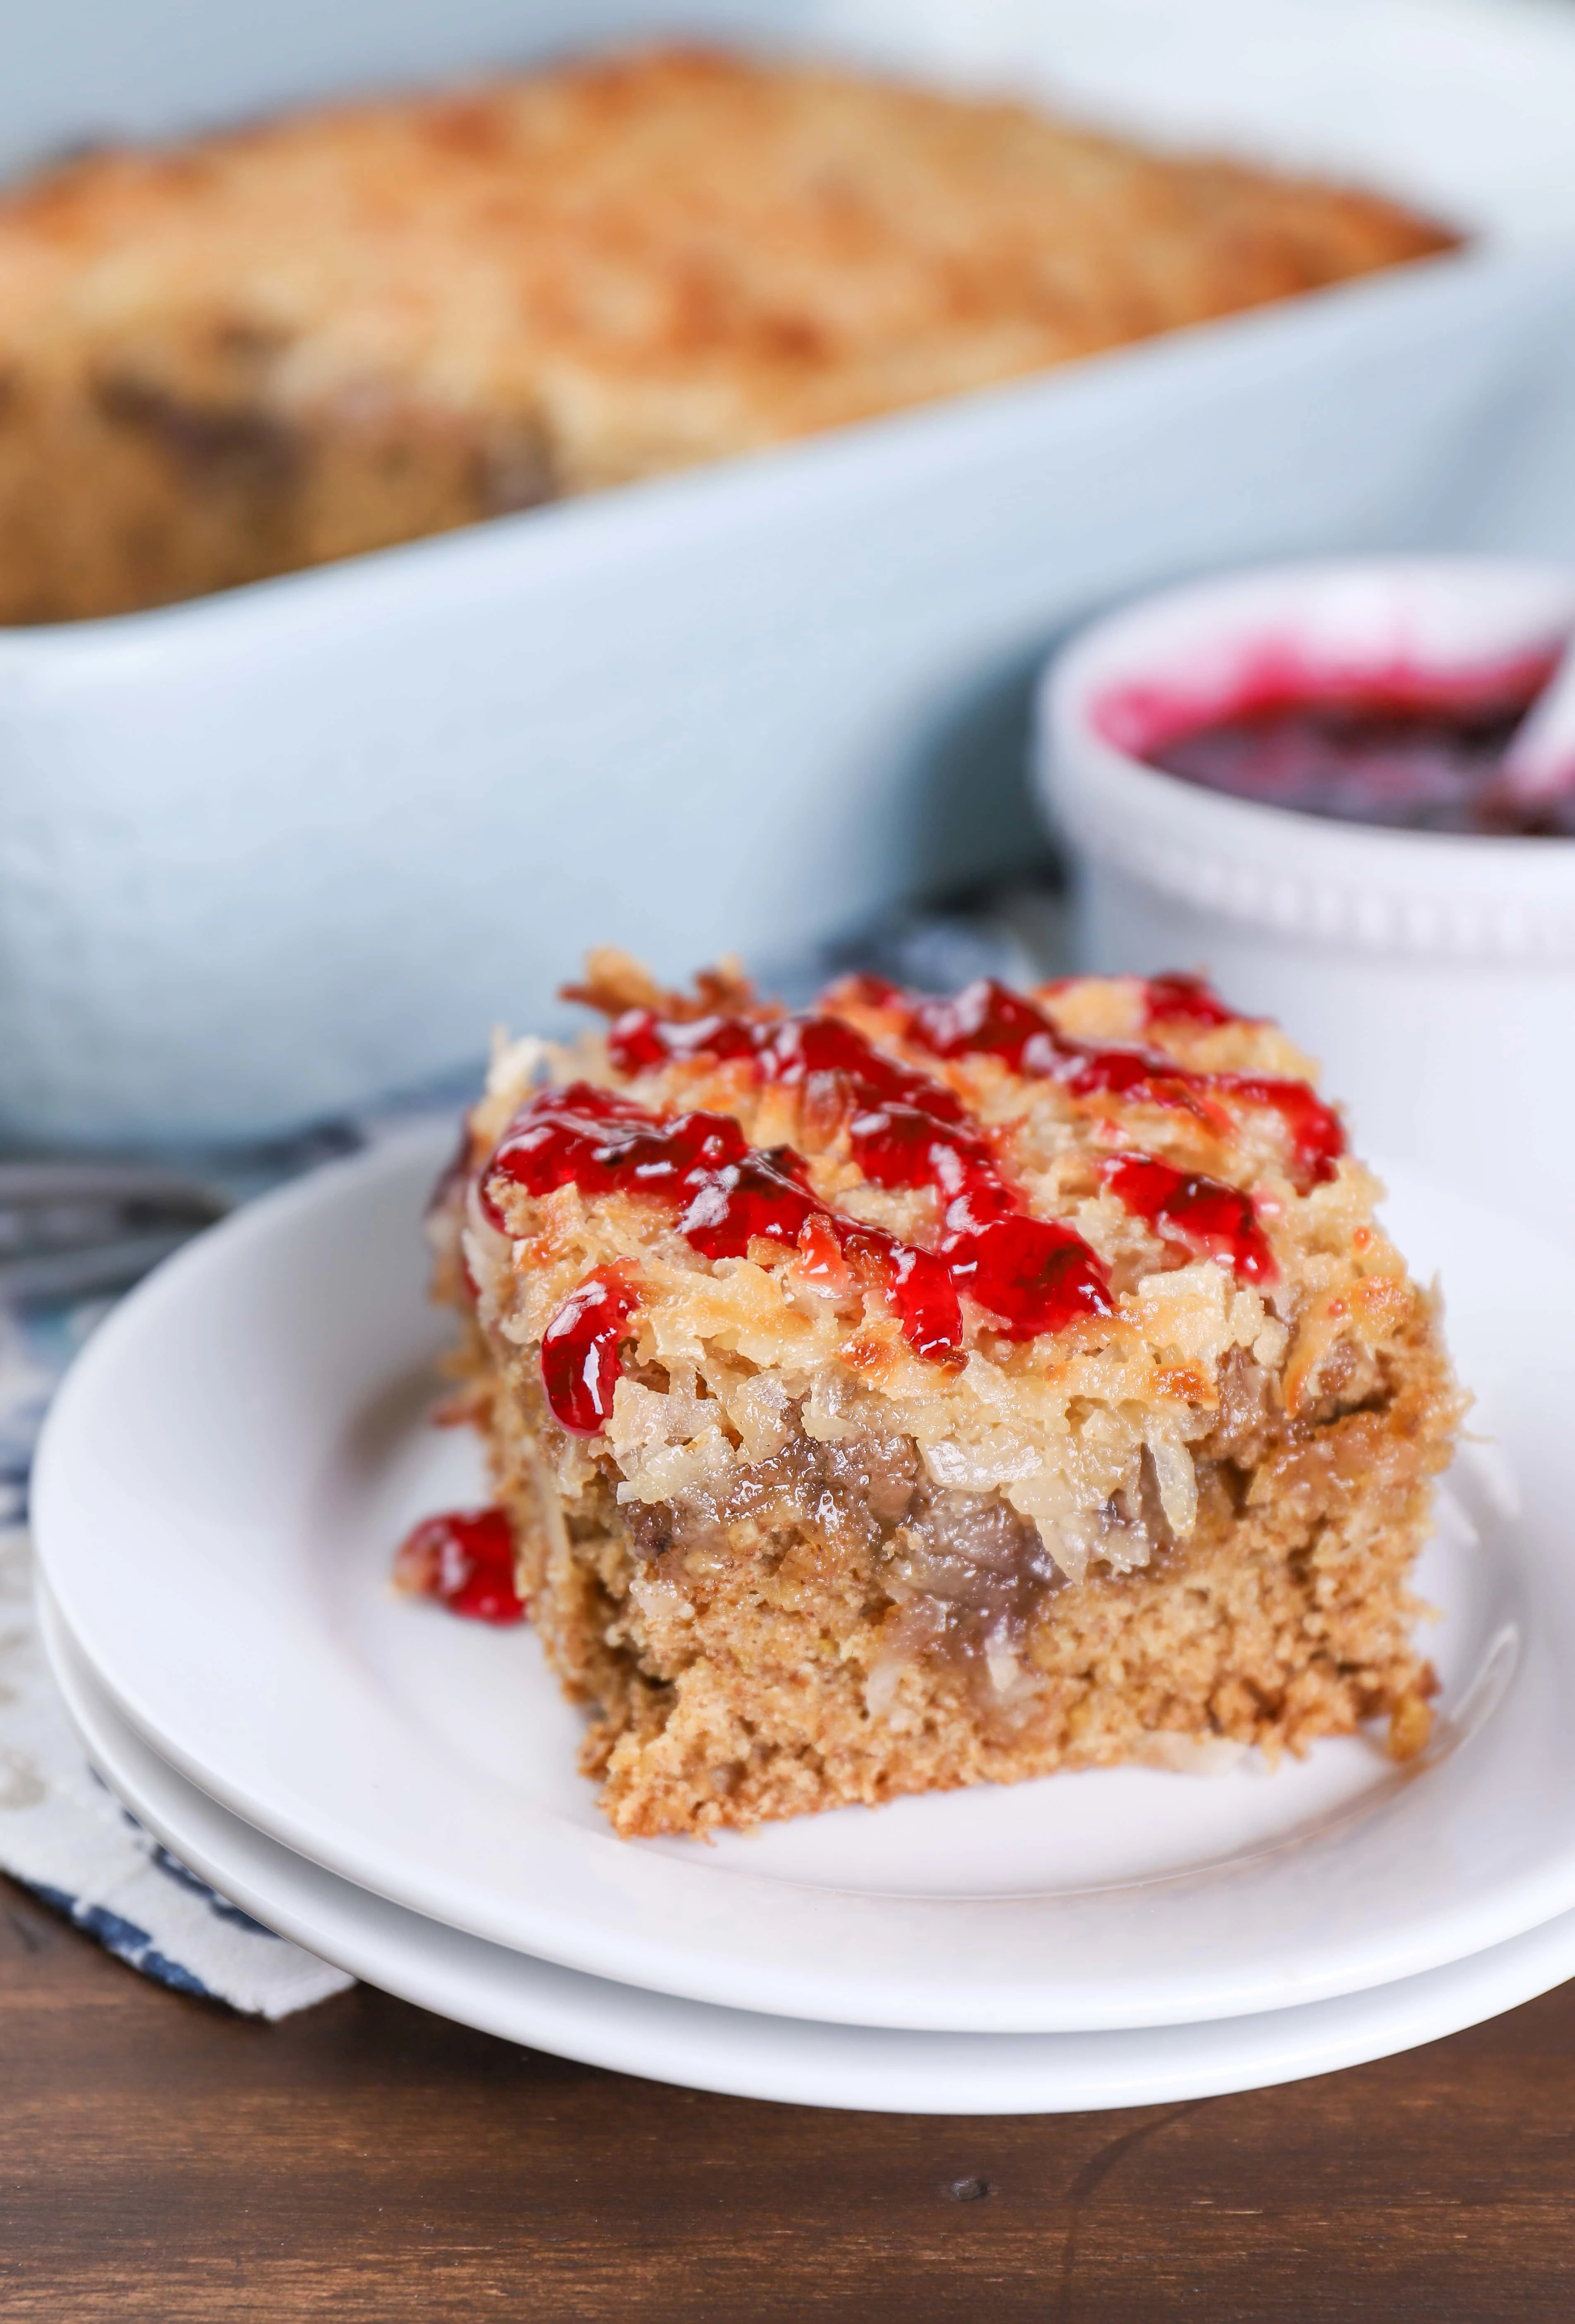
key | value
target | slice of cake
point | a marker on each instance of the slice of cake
(313, 337)
(917, 1392)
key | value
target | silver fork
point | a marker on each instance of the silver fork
(68, 1229)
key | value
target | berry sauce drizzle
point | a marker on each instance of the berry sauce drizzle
(579, 1351)
(1208, 1217)
(987, 1019)
(464, 1559)
(905, 1129)
(1177, 1000)
(723, 1192)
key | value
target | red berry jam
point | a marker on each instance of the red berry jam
(908, 1131)
(1313, 1130)
(579, 1351)
(919, 1286)
(464, 1559)
(1029, 1275)
(1205, 1214)
(700, 1166)
(640, 1039)
(987, 1019)
(1410, 750)
(1177, 1000)
(723, 1194)
(794, 1051)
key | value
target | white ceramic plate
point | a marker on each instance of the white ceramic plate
(750, 2055)
(229, 1465)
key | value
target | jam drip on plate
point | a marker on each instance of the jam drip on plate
(906, 1130)
(464, 1559)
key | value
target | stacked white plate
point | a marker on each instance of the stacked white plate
(222, 1484)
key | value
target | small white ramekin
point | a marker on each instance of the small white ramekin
(1433, 975)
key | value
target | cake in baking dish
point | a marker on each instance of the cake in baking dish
(262, 350)
(910, 1392)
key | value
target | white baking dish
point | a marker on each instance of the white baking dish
(272, 854)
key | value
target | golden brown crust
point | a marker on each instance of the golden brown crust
(287, 343)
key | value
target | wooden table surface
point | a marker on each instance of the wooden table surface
(161, 2159)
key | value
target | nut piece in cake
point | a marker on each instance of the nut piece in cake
(915, 1392)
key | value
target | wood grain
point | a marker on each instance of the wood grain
(162, 2159)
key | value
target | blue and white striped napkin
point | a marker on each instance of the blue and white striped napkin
(62, 1834)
